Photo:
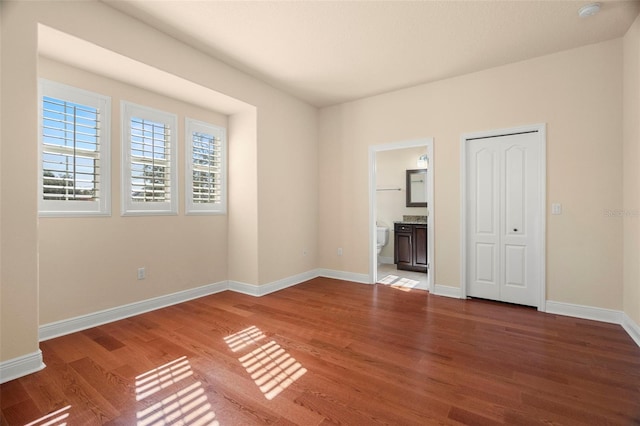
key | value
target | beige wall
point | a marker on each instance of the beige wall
(243, 198)
(288, 196)
(299, 178)
(2, 307)
(19, 269)
(391, 169)
(631, 150)
(274, 138)
(90, 264)
(578, 93)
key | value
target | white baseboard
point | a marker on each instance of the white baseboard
(83, 322)
(343, 275)
(631, 328)
(257, 291)
(21, 366)
(596, 314)
(30, 363)
(244, 288)
(585, 312)
(447, 291)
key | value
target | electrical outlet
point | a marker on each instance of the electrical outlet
(142, 274)
(340, 251)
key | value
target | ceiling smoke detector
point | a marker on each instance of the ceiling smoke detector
(589, 10)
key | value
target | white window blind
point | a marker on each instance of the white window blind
(149, 161)
(205, 168)
(74, 152)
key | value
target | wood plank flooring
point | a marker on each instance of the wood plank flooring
(333, 352)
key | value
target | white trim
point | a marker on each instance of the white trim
(431, 219)
(584, 312)
(373, 226)
(128, 110)
(447, 291)
(21, 366)
(73, 208)
(30, 363)
(83, 322)
(542, 212)
(346, 276)
(632, 329)
(191, 208)
(272, 287)
(244, 288)
(373, 255)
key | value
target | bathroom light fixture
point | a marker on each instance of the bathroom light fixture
(589, 10)
(423, 163)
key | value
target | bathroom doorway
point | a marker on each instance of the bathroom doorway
(390, 204)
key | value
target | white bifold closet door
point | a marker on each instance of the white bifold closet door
(503, 218)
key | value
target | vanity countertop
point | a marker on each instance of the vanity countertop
(412, 220)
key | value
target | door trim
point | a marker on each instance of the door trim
(373, 258)
(541, 129)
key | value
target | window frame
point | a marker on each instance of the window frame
(131, 110)
(102, 103)
(191, 208)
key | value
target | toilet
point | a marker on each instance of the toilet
(382, 237)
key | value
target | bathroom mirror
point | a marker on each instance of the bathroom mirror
(417, 188)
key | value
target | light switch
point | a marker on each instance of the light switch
(556, 208)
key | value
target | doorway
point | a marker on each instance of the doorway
(503, 212)
(381, 267)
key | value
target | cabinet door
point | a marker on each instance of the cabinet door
(403, 252)
(420, 245)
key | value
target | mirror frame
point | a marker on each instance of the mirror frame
(410, 173)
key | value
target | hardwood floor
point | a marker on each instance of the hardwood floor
(332, 352)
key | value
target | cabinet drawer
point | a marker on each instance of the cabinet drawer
(402, 228)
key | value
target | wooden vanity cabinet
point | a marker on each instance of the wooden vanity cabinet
(410, 248)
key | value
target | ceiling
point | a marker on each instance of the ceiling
(329, 52)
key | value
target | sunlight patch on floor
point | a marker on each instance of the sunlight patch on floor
(186, 406)
(159, 378)
(244, 338)
(405, 284)
(389, 279)
(272, 369)
(270, 366)
(394, 281)
(56, 418)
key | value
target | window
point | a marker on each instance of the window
(205, 168)
(74, 151)
(149, 161)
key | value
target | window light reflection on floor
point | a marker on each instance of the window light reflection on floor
(56, 418)
(159, 378)
(186, 405)
(270, 366)
(394, 281)
(244, 338)
(389, 279)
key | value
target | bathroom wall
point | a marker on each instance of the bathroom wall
(391, 169)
